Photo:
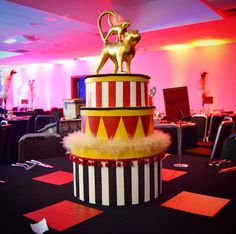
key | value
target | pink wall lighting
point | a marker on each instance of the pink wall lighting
(166, 68)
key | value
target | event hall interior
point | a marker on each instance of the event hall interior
(86, 149)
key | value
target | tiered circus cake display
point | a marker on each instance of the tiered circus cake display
(117, 157)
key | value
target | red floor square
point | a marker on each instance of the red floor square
(57, 178)
(169, 174)
(63, 215)
(196, 203)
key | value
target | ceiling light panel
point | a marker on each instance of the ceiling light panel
(6, 54)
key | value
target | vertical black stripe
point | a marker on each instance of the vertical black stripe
(98, 185)
(86, 184)
(141, 183)
(159, 177)
(76, 182)
(151, 167)
(112, 186)
(127, 185)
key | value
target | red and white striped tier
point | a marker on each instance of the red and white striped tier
(120, 90)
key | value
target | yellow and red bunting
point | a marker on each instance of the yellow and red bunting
(118, 126)
(145, 123)
(94, 122)
(130, 123)
(111, 125)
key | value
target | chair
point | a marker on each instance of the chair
(223, 131)
(31, 123)
(5, 131)
(39, 146)
(3, 111)
(228, 118)
(215, 121)
(39, 111)
(201, 122)
(3, 121)
(55, 112)
(69, 126)
(41, 122)
(172, 130)
(229, 148)
(23, 109)
(31, 127)
(15, 108)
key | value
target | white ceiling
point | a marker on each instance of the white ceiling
(67, 29)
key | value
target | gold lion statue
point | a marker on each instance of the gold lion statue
(123, 50)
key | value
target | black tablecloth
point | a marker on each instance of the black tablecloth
(18, 129)
(189, 136)
(20, 194)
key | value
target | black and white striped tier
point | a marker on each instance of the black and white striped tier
(117, 185)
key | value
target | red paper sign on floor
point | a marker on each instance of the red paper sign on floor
(169, 174)
(57, 178)
(196, 203)
(63, 215)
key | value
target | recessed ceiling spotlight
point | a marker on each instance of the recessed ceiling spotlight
(6, 54)
(10, 41)
(50, 19)
(33, 24)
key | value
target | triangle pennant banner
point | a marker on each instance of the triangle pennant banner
(94, 123)
(121, 131)
(130, 123)
(101, 132)
(145, 123)
(111, 123)
(139, 130)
